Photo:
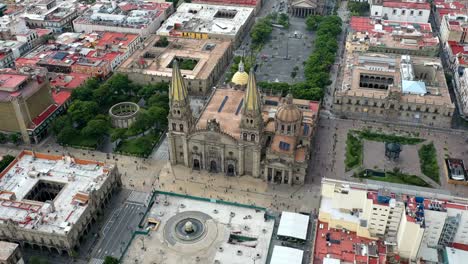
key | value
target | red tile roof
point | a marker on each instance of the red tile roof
(61, 97)
(44, 115)
(366, 24)
(115, 38)
(69, 81)
(9, 81)
(345, 251)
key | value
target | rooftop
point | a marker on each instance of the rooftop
(282, 255)
(129, 14)
(251, 3)
(395, 69)
(10, 82)
(76, 178)
(61, 11)
(347, 247)
(455, 255)
(6, 250)
(68, 81)
(204, 18)
(393, 34)
(407, 4)
(293, 225)
(153, 60)
(444, 7)
(460, 51)
(456, 22)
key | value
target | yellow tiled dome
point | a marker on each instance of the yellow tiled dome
(240, 78)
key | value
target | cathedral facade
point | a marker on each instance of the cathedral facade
(242, 132)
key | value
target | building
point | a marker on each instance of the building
(401, 10)
(462, 93)
(96, 54)
(240, 132)
(48, 14)
(10, 253)
(286, 255)
(304, 8)
(415, 222)
(51, 201)
(11, 50)
(454, 28)
(256, 4)
(203, 21)
(447, 7)
(404, 89)
(62, 86)
(454, 255)
(153, 62)
(134, 17)
(376, 35)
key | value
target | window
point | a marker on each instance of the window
(411, 12)
(289, 128)
(245, 136)
(174, 127)
(181, 127)
(394, 11)
(284, 146)
(403, 12)
(420, 13)
(252, 137)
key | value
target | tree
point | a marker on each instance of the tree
(312, 22)
(162, 42)
(158, 115)
(66, 135)
(6, 160)
(82, 111)
(15, 138)
(143, 122)
(161, 100)
(3, 138)
(95, 128)
(261, 30)
(37, 260)
(59, 123)
(111, 260)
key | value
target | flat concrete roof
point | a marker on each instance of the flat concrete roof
(286, 255)
(206, 18)
(78, 177)
(293, 225)
(6, 249)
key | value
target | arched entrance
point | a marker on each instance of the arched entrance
(230, 170)
(213, 166)
(278, 176)
(196, 164)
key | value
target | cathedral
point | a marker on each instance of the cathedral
(241, 131)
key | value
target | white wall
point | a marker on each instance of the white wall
(401, 14)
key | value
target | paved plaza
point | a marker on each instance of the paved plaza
(287, 48)
(374, 158)
(193, 231)
(327, 160)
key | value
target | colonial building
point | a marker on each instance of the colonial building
(303, 8)
(240, 131)
(388, 87)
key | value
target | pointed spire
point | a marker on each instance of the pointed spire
(178, 91)
(241, 66)
(252, 96)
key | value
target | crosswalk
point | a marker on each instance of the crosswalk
(96, 261)
(139, 198)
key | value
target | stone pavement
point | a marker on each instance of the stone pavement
(327, 159)
(244, 189)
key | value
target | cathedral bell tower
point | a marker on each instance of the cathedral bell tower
(252, 121)
(180, 118)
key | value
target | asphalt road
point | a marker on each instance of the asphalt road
(117, 231)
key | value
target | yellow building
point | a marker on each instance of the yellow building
(26, 105)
